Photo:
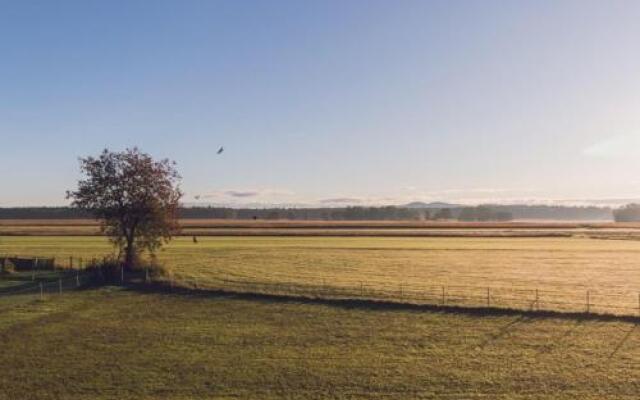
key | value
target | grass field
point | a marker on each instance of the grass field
(119, 344)
(116, 343)
(562, 269)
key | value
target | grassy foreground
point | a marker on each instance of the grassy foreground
(113, 343)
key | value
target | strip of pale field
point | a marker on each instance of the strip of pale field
(204, 227)
(120, 344)
(365, 232)
(561, 269)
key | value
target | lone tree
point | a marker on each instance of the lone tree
(135, 197)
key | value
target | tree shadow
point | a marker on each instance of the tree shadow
(370, 304)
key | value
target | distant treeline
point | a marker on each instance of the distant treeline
(389, 213)
(42, 213)
(628, 213)
(559, 213)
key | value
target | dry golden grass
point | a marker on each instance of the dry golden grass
(404, 269)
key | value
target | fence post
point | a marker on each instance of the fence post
(146, 275)
(401, 292)
(537, 299)
(34, 266)
(488, 298)
(41, 292)
(588, 305)
(60, 285)
(444, 299)
(121, 273)
(77, 278)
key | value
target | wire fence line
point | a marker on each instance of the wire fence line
(42, 288)
(51, 276)
(599, 301)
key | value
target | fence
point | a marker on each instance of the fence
(26, 279)
(602, 301)
(612, 300)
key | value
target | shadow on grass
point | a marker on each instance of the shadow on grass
(371, 304)
(621, 343)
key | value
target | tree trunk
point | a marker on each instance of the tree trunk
(129, 254)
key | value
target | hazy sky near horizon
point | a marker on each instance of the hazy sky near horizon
(325, 102)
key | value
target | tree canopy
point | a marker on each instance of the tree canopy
(134, 196)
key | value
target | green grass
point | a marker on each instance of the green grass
(563, 269)
(117, 344)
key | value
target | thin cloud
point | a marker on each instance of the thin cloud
(258, 194)
(341, 200)
(620, 146)
(241, 194)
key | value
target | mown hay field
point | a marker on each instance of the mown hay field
(221, 227)
(562, 270)
(115, 343)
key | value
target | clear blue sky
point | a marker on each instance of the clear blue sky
(364, 100)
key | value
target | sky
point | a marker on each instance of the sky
(327, 102)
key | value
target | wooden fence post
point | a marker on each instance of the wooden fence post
(444, 299)
(588, 305)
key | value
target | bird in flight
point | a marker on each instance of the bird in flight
(220, 150)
